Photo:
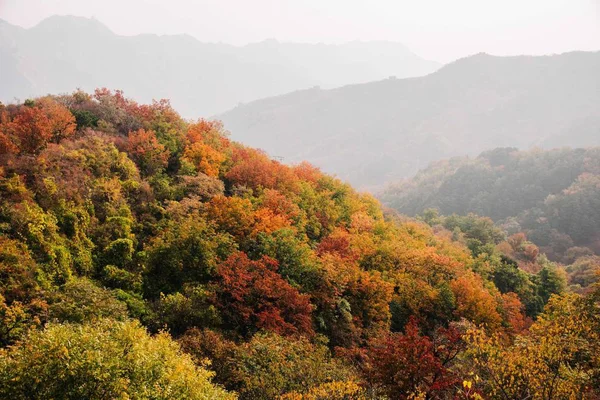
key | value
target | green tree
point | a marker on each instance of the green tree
(80, 300)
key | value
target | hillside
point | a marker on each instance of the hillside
(553, 196)
(379, 132)
(146, 256)
(61, 54)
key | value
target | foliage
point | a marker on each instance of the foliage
(288, 282)
(347, 390)
(551, 196)
(80, 300)
(558, 359)
(33, 125)
(270, 365)
(107, 359)
(252, 296)
(409, 364)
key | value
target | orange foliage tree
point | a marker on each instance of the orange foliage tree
(474, 302)
(254, 169)
(44, 121)
(205, 158)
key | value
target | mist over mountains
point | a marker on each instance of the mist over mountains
(377, 130)
(63, 53)
(375, 133)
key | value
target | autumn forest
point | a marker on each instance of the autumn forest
(146, 256)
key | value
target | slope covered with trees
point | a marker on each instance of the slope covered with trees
(380, 132)
(145, 256)
(552, 196)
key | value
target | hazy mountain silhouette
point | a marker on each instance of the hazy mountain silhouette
(379, 132)
(62, 53)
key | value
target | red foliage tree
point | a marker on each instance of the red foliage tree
(514, 313)
(31, 129)
(6, 145)
(253, 296)
(280, 204)
(404, 364)
(60, 120)
(338, 242)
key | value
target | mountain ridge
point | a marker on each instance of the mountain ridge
(378, 132)
(63, 53)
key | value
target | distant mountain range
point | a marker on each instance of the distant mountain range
(63, 53)
(374, 133)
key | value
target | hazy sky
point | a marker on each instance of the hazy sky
(442, 30)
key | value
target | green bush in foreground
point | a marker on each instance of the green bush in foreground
(104, 360)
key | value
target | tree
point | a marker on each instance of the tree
(146, 151)
(347, 390)
(31, 128)
(107, 359)
(557, 359)
(255, 170)
(233, 215)
(7, 145)
(21, 302)
(61, 121)
(210, 132)
(187, 250)
(474, 302)
(80, 300)
(296, 261)
(44, 121)
(270, 365)
(514, 313)
(584, 272)
(369, 296)
(408, 364)
(551, 281)
(17, 318)
(253, 296)
(205, 158)
(191, 308)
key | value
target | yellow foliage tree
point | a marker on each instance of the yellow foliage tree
(329, 391)
(558, 359)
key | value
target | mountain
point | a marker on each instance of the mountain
(63, 53)
(374, 133)
(552, 196)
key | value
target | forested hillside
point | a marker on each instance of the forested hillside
(380, 132)
(145, 256)
(64, 53)
(553, 196)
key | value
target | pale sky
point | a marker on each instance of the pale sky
(441, 30)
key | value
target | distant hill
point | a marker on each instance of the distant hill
(379, 132)
(552, 196)
(63, 53)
